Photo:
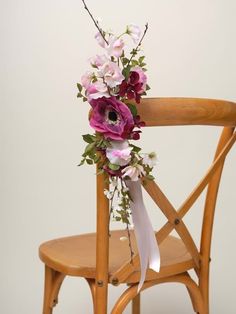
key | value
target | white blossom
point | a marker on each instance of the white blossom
(113, 183)
(150, 159)
(133, 172)
(108, 194)
(134, 31)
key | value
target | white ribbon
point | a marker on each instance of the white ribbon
(148, 249)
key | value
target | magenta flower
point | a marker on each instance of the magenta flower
(135, 86)
(112, 118)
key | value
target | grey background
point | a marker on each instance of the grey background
(190, 49)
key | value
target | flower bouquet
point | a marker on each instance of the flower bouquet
(113, 86)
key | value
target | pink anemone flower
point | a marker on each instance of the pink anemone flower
(112, 118)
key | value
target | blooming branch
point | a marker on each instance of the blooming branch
(134, 51)
(95, 22)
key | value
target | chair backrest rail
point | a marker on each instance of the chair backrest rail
(187, 111)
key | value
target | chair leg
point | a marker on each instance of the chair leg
(48, 283)
(92, 286)
(101, 295)
(136, 304)
(204, 288)
(205, 294)
(193, 301)
(52, 284)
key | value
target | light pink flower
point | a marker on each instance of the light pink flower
(86, 79)
(96, 90)
(98, 60)
(115, 47)
(111, 74)
(133, 172)
(119, 153)
(134, 31)
(100, 40)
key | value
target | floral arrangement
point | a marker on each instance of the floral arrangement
(115, 83)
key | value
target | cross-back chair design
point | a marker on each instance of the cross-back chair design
(104, 260)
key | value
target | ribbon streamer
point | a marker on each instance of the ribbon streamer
(148, 249)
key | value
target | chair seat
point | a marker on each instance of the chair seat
(76, 255)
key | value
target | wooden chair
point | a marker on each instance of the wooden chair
(90, 256)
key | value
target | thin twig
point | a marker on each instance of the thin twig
(130, 244)
(139, 44)
(94, 21)
(111, 209)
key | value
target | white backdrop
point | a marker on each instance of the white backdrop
(190, 49)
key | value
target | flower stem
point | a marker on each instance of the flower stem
(139, 44)
(95, 22)
(130, 244)
(111, 208)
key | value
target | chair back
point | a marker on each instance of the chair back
(173, 112)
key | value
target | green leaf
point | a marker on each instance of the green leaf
(136, 149)
(100, 171)
(133, 109)
(89, 161)
(113, 167)
(88, 138)
(79, 95)
(89, 148)
(84, 99)
(150, 177)
(126, 72)
(133, 52)
(141, 59)
(100, 143)
(147, 87)
(82, 162)
(134, 62)
(125, 61)
(97, 159)
(125, 220)
(80, 87)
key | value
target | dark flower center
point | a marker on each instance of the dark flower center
(112, 116)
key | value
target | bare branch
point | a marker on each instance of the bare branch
(94, 21)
